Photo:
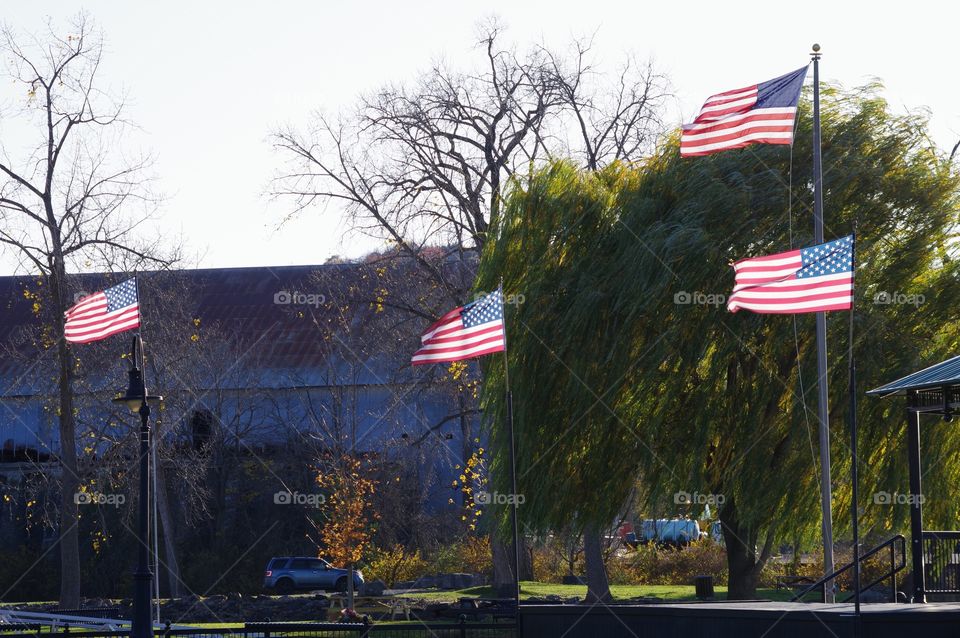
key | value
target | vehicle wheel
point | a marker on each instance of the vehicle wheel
(341, 585)
(284, 586)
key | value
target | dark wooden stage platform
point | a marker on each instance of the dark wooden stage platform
(740, 620)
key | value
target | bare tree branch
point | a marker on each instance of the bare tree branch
(425, 163)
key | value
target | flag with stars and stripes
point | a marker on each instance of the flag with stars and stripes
(103, 314)
(759, 114)
(806, 280)
(468, 331)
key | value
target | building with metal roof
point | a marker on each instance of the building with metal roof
(266, 356)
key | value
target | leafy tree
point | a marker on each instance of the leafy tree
(347, 508)
(424, 163)
(622, 384)
(348, 512)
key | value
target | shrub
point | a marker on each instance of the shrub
(470, 554)
(551, 562)
(652, 565)
(475, 556)
(395, 564)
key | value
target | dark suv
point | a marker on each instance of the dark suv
(286, 574)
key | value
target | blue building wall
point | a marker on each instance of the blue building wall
(291, 391)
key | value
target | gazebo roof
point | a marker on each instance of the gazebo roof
(944, 374)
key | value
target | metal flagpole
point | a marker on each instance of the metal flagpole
(854, 511)
(513, 458)
(823, 411)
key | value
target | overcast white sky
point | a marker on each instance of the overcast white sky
(209, 80)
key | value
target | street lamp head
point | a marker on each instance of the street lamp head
(136, 393)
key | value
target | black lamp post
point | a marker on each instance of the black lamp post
(137, 399)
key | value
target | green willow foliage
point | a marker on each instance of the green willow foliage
(621, 393)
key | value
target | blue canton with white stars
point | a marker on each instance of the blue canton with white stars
(121, 295)
(483, 310)
(831, 258)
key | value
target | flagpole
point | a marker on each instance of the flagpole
(513, 459)
(826, 496)
(854, 473)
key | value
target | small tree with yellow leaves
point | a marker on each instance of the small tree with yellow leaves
(348, 514)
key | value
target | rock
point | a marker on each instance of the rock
(425, 582)
(446, 581)
(95, 602)
(374, 588)
(462, 581)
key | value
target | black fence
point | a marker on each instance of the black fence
(941, 560)
(461, 629)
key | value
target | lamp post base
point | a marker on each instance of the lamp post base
(141, 624)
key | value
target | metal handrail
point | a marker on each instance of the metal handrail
(894, 568)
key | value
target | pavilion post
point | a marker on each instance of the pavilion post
(916, 506)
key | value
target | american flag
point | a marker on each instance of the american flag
(762, 113)
(103, 314)
(469, 331)
(807, 280)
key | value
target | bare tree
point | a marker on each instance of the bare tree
(69, 201)
(425, 164)
(605, 122)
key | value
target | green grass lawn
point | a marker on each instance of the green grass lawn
(533, 589)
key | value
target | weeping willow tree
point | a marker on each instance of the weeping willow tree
(633, 383)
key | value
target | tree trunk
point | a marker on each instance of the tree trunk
(502, 566)
(69, 476)
(598, 587)
(526, 560)
(743, 564)
(169, 547)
